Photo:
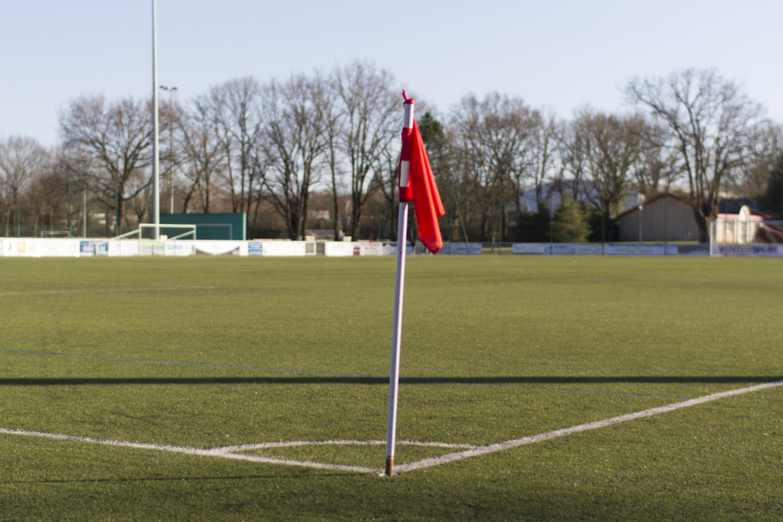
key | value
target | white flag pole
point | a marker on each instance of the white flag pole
(394, 376)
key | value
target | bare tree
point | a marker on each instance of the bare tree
(751, 181)
(710, 122)
(386, 181)
(333, 130)
(370, 111)
(541, 163)
(493, 135)
(613, 148)
(50, 196)
(295, 145)
(44, 200)
(658, 165)
(76, 169)
(117, 137)
(574, 146)
(21, 160)
(203, 155)
(474, 168)
(172, 116)
(236, 107)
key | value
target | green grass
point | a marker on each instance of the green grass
(349, 454)
(210, 352)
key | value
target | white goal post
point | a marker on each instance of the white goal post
(191, 231)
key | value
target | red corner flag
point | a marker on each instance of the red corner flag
(418, 185)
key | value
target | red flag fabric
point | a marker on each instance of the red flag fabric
(417, 184)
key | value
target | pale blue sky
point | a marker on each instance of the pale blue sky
(559, 54)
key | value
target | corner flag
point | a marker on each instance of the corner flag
(417, 184)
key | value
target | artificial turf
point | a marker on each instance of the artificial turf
(210, 352)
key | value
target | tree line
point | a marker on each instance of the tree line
(320, 151)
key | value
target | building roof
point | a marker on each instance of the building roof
(676, 197)
(729, 206)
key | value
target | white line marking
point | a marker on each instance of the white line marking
(296, 443)
(532, 439)
(231, 452)
(216, 452)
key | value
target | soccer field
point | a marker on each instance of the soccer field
(257, 388)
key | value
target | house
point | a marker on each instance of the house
(669, 217)
(665, 217)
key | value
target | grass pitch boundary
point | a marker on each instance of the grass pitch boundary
(468, 451)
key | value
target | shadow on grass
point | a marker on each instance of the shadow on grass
(282, 474)
(119, 480)
(340, 379)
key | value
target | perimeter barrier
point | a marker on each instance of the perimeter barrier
(76, 247)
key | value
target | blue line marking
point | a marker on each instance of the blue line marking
(412, 380)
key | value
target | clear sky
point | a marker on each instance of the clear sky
(559, 54)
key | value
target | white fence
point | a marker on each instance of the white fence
(609, 249)
(47, 247)
(34, 247)
(748, 250)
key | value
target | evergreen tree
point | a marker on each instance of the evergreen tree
(570, 223)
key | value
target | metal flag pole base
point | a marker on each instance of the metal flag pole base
(389, 466)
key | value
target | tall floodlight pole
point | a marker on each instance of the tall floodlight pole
(155, 136)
